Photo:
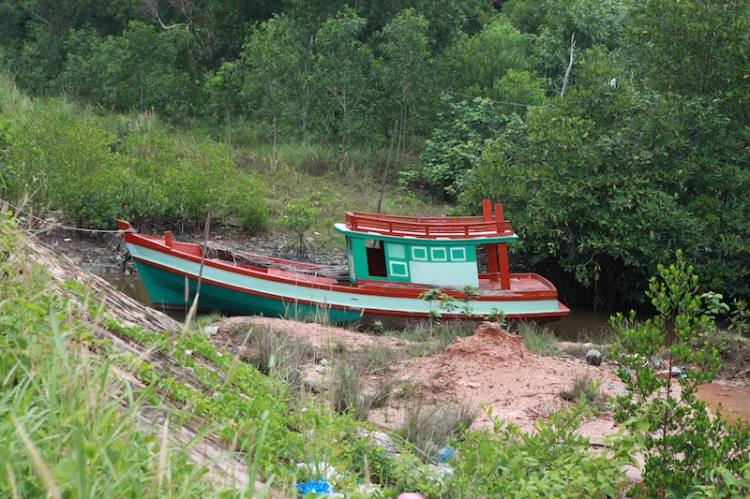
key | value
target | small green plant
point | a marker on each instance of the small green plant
(378, 327)
(740, 317)
(299, 218)
(682, 443)
(538, 339)
(430, 296)
(496, 315)
(585, 390)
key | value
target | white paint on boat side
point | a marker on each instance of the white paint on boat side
(450, 274)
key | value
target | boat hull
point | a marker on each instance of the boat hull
(167, 289)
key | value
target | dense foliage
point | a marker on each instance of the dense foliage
(96, 172)
(615, 131)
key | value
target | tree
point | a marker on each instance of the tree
(613, 179)
(456, 145)
(695, 48)
(526, 15)
(225, 90)
(217, 27)
(276, 59)
(594, 22)
(342, 73)
(139, 70)
(473, 65)
(404, 73)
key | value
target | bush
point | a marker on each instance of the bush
(685, 447)
(67, 162)
(553, 461)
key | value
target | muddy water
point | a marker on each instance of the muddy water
(131, 285)
(734, 400)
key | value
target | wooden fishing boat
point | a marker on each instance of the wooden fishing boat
(399, 269)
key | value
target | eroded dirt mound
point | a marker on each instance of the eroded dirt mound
(491, 341)
(492, 368)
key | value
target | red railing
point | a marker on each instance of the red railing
(429, 227)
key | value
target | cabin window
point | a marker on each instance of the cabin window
(397, 251)
(399, 269)
(438, 254)
(419, 253)
(376, 258)
(458, 254)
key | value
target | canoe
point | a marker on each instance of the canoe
(399, 269)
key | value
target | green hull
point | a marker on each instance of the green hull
(167, 289)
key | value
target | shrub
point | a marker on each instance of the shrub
(584, 389)
(552, 461)
(685, 447)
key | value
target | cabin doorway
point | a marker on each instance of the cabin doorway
(376, 258)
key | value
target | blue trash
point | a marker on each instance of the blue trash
(446, 454)
(316, 486)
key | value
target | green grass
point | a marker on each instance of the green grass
(431, 427)
(432, 338)
(69, 425)
(537, 339)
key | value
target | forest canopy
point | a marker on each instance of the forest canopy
(614, 131)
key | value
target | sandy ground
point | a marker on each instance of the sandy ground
(320, 336)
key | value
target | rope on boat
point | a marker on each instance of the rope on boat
(244, 258)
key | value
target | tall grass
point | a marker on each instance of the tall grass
(69, 427)
(538, 339)
(431, 427)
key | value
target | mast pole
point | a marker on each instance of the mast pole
(491, 248)
(502, 251)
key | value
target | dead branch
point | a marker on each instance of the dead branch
(570, 65)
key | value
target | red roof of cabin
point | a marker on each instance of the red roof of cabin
(427, 227)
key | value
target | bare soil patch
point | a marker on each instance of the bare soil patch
(319, 336)
(493, 369)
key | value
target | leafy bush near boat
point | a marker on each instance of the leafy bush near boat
(686, 448)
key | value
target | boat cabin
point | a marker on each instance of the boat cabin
(434, 251)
